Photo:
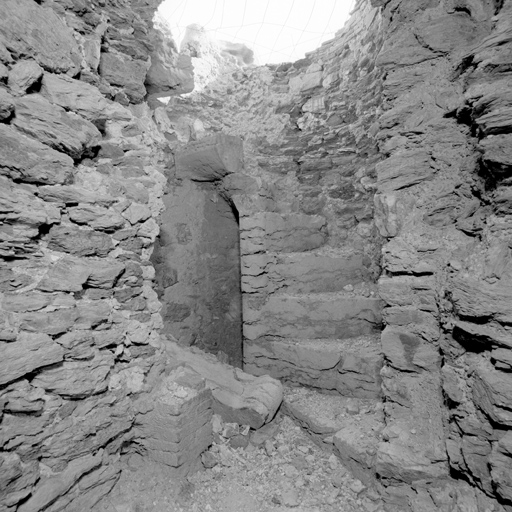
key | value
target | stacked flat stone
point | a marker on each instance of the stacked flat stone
(81, 180)
(174, 427)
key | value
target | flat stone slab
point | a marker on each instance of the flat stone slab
(29, 352)
(281, 232)
(238, 397)
(350, 427)
(27, 160)
(27, 28)
(211, 158)
(307, 272)
(404, 170)
(53, 126)
(349, 366)
(329, 315)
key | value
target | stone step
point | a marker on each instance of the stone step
(307, 272)
(350, 427)
(321, 315)
(350, 366)
(281, 232)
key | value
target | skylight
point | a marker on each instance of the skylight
(277, 30)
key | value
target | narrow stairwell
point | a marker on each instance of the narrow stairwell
(312, 319)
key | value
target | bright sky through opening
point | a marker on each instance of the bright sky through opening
(277, 30)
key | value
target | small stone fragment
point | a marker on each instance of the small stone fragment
(270, 449)
(6, 104)
(209, 460)
(239, 441)
(23, 75)
(357, 486)
(333, 461)
(352, 408)
(290, 498)
(337, 477)
(216, 424)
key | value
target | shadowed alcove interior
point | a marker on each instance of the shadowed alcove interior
(197, 263)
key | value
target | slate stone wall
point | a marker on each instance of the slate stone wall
(81, 184)
(441, 203)
(374, 193)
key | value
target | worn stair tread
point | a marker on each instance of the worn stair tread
(318, 315)
(363, 340)
(324, 414)
(351, 427)
(329, 296)
(349, 366)
(324, 353)
(324, 251)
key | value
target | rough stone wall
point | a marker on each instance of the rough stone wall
(81, 185)
(441, 203)
(477, 378)
(398, 130)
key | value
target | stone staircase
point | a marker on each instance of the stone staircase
(312, 319)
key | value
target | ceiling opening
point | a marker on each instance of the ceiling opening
(276, 30)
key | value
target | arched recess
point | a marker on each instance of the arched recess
(198, 258)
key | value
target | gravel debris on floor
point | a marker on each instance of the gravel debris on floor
(279, 469)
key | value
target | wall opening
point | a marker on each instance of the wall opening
(197, 262)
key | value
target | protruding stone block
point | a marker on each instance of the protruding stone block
(413, 443)
(238, 397)
(404, 170)
(80, 242)
(53, 126)
(30, 352)
(78, 379)
(492, 392)
(81, 98)
(399, 463)
(72, 194)
(170, 72)
(478, 299)
(211, 158)
(96, 217)
(26, 28)
(23, 75)
(6, 105)
(121, 70)
(23, 211)
(408, 352)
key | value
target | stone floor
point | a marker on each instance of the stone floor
(277, 468)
